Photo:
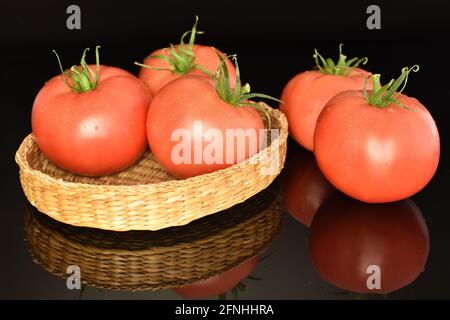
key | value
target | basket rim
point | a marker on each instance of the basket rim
(21, 160)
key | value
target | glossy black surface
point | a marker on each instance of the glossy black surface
(286, 268)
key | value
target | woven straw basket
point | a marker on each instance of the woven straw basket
(152, 260)
(145, 196)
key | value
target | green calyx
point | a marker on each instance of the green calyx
(342, 67)
(240, 95)
(382, 96)
(82, 77)
(181, 58)
(237, 291)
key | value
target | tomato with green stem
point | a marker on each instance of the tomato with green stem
(91, 119)
(305, 95)
(379, 145)
(197, 125)
(369, 248)
(165, 65)
(220, 284)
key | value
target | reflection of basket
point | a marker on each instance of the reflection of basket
(144, 196)
(151, 260)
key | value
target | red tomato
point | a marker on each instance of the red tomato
(349, 237)
(177, 106)
(96, 132)
(305, 188)
(204, 56)
(376, 154)
(218, 284)
(165, 65)
(307, 93)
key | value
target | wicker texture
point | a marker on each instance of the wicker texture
(144, 196)
(152, 260)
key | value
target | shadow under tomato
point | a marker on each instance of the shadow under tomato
(305, 188)
(369, 248)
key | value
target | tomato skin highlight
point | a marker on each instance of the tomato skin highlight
(306, 94)
(93, 133)
(205, 56)
(376, 154)
(347, 236)
(186, 100)
(218, 284)
(305, 188)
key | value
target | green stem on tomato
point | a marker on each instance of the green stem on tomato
(181, 58)
(240, 95)
(82, 77)
(382, 96)
(342, 67)
(236, 291)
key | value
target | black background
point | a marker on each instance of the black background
(274, 40)
(263, 24)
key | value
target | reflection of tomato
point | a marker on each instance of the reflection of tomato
(348, 236)
(305, 188)
(220, 283)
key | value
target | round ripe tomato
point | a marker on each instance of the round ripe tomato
(376, 154)
(307, 93)
(349, 239)
(205, 56)
(179, 105)
(196, 125)
(305, 188)
(94, 132)
(218, 284)
(165, 65)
